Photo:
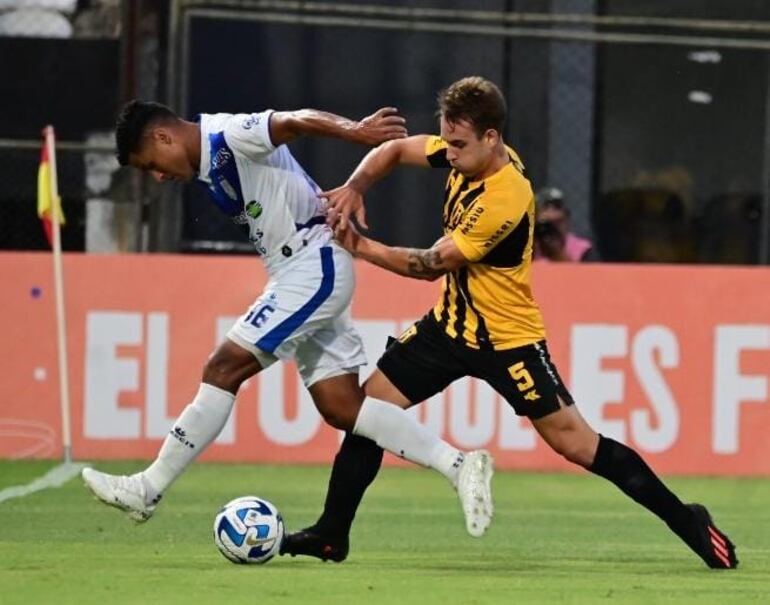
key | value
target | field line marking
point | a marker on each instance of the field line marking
(56, 477)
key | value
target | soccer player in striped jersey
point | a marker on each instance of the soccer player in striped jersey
(486, 322)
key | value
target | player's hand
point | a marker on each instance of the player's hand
(348, 237)
(383, 125)
(341, 202)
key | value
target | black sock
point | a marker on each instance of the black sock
(626, 469)
(355, 467)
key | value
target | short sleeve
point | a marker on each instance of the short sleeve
(485, 224)
(435, 152)
(249, 134)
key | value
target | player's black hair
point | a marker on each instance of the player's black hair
(132, 124)
(475, 100)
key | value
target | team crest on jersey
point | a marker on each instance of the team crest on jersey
(254, 209)
(249, 122)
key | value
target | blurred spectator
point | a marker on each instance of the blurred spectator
(553, 239)
(97, 19)
(36, 18)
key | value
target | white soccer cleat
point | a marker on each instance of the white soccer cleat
(475, 491)
(124, 492)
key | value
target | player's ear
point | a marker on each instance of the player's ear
(491, 137)
(161, 135)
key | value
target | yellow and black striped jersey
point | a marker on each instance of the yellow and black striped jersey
(488, 304)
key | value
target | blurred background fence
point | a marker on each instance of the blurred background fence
(651, 117)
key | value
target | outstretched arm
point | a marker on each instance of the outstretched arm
(383, 125)
(349, 198)
(429, 264)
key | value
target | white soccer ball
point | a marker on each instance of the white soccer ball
(248, 530)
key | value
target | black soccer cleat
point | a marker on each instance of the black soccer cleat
(714, 547)
(310, 542)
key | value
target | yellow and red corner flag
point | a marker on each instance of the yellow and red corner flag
(48, 201)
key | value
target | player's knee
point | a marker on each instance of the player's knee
(221, 372)
(578, 456)
(337, 416)
(573, 449)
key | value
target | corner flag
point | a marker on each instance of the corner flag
(48, 202)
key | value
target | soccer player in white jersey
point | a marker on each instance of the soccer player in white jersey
(303, 313)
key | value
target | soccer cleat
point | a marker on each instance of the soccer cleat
(311, 543)
(475, 491)
(714, 547)
(124, 492)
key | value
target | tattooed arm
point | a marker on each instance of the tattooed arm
(430, 264)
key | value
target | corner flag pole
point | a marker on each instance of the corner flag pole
(61, 327)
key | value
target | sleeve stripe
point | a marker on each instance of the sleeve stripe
(435, 152)
(437, 159)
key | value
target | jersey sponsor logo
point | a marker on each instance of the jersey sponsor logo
(221, 158)
(469, 222)
(502, 230)
(254, 209)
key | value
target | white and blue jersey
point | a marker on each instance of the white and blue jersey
(304, 311)
(260, 185)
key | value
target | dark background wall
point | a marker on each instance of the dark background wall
(72, 84)
(353, 72)
(651, 171)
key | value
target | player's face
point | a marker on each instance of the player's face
(163, 156)
(466, 152)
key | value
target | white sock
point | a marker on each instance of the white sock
(197, 426)
(399, 433)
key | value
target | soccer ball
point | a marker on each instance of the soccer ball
(248, 530)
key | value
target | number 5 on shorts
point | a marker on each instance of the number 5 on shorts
(522, 376)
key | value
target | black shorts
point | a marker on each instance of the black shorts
(425, 360)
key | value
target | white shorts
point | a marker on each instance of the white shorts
(304, 314)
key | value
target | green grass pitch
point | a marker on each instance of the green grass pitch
(555, 539)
